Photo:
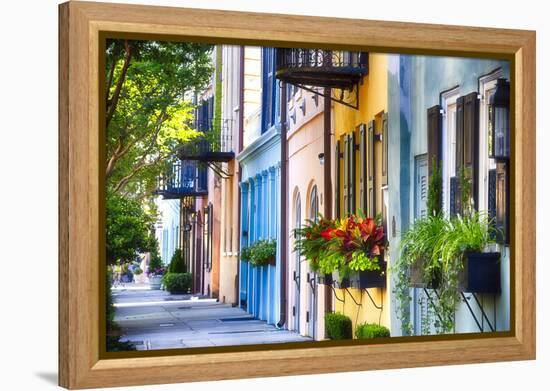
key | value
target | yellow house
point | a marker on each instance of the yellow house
(361, 179)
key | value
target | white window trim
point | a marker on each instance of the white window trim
(486, 84)
(448, 99)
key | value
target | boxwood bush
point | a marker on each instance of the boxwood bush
(177, 282)
(371, 330)
(338, 326)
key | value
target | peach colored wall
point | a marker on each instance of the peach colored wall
(305, 142)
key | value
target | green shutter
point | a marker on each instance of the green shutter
(434, 138)
(502, 201)
(351, 171)
(363, 167)
(346, 175)
(337, 179)
(370, 170)
(385, 142)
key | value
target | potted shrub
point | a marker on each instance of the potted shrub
(371, 330)
(338, 326)
(177, 283)
(263, 252)
(155, 270)
(177, 280)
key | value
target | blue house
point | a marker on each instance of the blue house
(440, 108)
(259, 286)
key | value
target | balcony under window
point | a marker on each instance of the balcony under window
(185, 178)
(214, 145)
(335, 69)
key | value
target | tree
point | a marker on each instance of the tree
(129, 229)
(149, 86)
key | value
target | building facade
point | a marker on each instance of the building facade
(439, 108)
(305, 297)
(260, 286)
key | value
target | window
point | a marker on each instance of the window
(268, 88)
(448, 169)
(314, 204)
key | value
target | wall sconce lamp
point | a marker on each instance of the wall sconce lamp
(499, 121)
(321, 157)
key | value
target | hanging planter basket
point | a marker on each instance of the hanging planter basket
(369, 278)
(340, 283)
(416, 276)
(480, 273)
(325, 279)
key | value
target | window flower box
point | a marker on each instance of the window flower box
(480, 272)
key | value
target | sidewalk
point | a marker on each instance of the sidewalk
(157, 320)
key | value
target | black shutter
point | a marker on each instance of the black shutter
(459, 157)
(434, 138)
(363, 167)
(492, 195)
(370, 170)
(385, 142)
(503, 201)
(471, 143)
(337, 180)
(351, 171)
(346, 175)
(454, 196)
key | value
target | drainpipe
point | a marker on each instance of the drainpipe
(237, 165)
(327, 173)
(284, 207)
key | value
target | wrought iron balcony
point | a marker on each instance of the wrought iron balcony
(321, 68)
(215, 145)
(184, 178)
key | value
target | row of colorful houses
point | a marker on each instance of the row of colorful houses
(304, 132)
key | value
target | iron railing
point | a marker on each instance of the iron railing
(183, 178)
(323, 68)
(215, 144)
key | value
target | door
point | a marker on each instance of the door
(296, 272)
(311, 316)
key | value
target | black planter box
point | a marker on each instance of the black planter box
(369, 278)
(325, 279)
(480, 273)
(416, 276)
(345, 283)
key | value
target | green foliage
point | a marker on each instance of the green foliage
(246, 253)
(440, 243)
(113, 331)
(155, 261)
(311, 245)
(137, 271)
(465, 183)
(177, 264)
(262, 252)
(148, 108)
(338, 326)
(434, 189)
(371, 330)
(177, 282)
(128, 229)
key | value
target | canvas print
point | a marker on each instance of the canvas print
(260, 195)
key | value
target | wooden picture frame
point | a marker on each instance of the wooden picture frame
(81, 364)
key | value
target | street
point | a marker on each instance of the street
(154, 319)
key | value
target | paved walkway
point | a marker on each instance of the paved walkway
(157, 320)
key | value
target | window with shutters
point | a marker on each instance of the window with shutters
(349, 173)
(268, 88)
(435, 158)
(448, 160)
(346, 175)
